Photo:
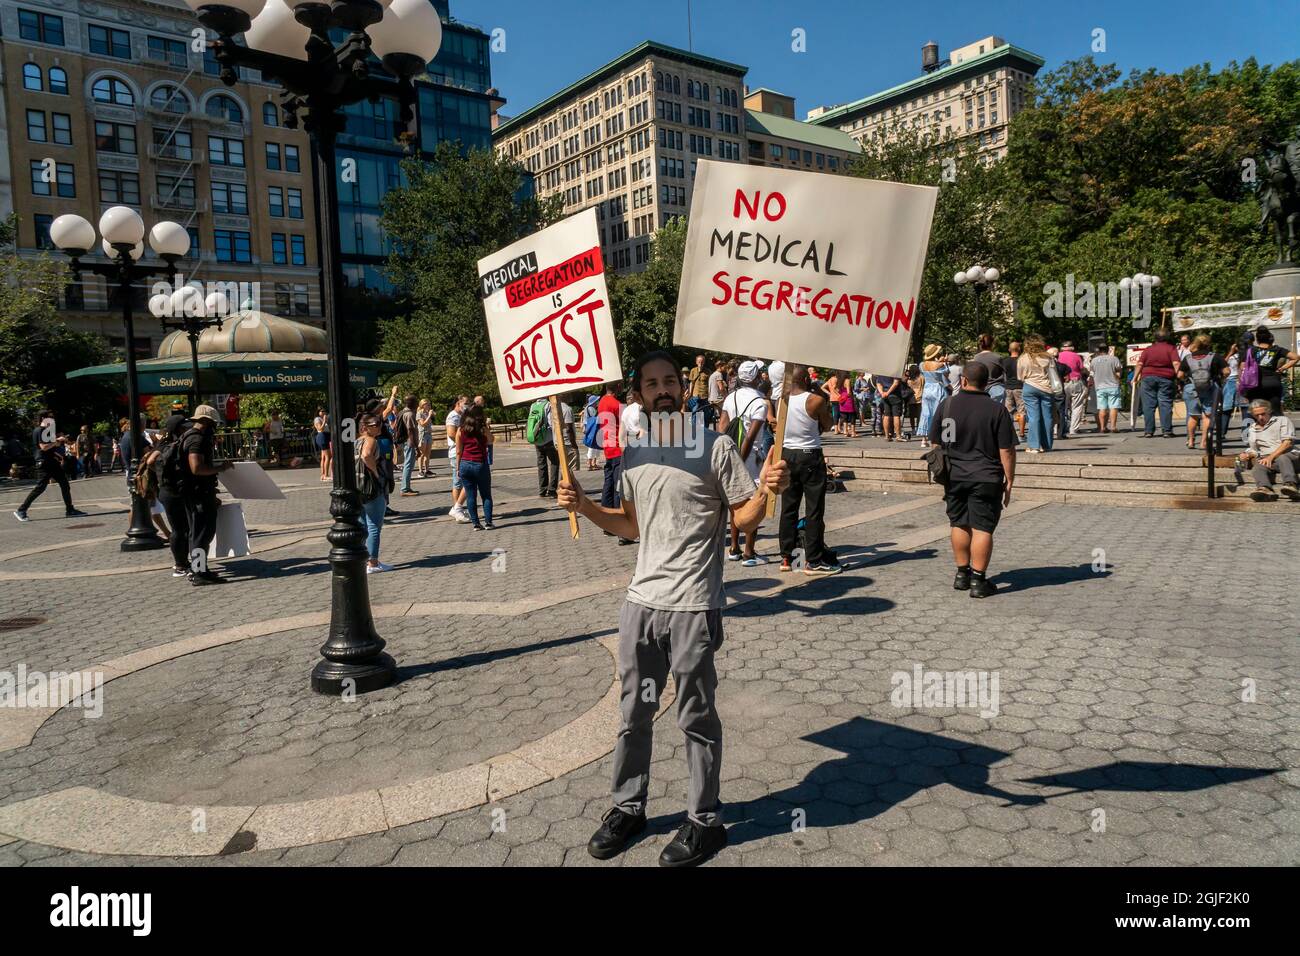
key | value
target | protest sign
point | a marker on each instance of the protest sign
(548, 318)
(803, 267)
(246, 480)
(231, 538)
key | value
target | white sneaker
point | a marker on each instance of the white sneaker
(377, 568)
(460, 514)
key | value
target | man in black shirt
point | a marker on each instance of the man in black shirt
(199, 488)
(977, 437)
(49, 449)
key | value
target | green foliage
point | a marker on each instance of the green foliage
(644, 304)
(453, 211)
(37, 349)
(297, 409)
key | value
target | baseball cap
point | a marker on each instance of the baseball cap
(206, 412)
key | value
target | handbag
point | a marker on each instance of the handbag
(936, 457)
(1054, 377)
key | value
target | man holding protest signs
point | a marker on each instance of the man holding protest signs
(679, 485)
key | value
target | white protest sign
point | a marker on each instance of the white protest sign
(548, 312)
(1134, 350)
(247, 480)
(231, 539)
(801, 266)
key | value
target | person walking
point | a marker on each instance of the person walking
(1106, 369)
(833, 396)
(1270, 446)
(451, 424)
(199, 484)
(374, 484)
(698, 395)
(1015, 399)
(677, 499)
(322, 440)
(806, 417)
(891, 405)
(747, 410)
(1157, 367)
(981, 470)
(473, 439)
(49, 448)
(1203, 371)
(85, 451)
(1037, 373)
(1272, 362)
(407, 437)
(934, 389)
(166, 463)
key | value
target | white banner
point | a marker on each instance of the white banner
(548, 312)
(1272, 313)
(801, 266)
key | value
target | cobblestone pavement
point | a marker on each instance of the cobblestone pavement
(1146, 708)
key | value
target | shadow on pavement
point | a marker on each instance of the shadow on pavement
(1024, 579)
(1144, 776)
(490, 657)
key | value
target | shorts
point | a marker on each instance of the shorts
(1200, 401)
(835, 412)
(974, 504)
(1108, 398)
(456, 482)
(322, 441)
(892, 406)
(1015, 401)
(156, 508)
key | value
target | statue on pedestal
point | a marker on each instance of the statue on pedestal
(1279, 195)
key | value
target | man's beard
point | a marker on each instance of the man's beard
(665, 402)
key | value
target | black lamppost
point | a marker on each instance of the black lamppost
(195, 315)
(979, 279)
(123, 232)
(289, 44)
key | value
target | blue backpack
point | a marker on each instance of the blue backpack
(591, 436)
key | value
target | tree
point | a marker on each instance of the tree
(37, 349)
(452, 211)
(644, 304)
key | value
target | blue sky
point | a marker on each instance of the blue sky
(857, 48)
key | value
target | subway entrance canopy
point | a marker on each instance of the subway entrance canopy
(252, 352)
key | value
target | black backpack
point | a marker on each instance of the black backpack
(402, 434)
(170, 467)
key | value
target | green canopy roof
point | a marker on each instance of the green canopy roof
(245, 372)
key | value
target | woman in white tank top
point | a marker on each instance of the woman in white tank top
(802, 451)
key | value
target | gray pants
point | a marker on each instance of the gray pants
(1283, 467)
(1076, 397)
(650, 644)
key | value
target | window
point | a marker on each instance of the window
(194, 242)
(291, 164)
(226, 152)
(174, 144)
(116, 187)
(109, 42)
(279, 249)
(109, 89)
(32, 77)
(270, 115)
(295, 203)
(176, 191)
(165, 50)
(291, 298)
(115, 137)
(776, 151)
(224, 107)
(232, 246)
(230, 198)
(64, 185)
(272, 155)
(210, 65)
(170, 98)
(61, 123)
(298, 247)
(41, 27)
(42, 225)
(275, 200)
(58, 80)
(36, 126)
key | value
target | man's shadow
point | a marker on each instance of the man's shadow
(883, 765)
(1023, 579)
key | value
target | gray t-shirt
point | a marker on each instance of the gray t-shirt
(682, 501)
(1104, 370)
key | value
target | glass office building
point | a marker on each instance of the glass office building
(453, 103)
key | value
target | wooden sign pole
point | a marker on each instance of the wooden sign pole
(557, 426)
(779, 443)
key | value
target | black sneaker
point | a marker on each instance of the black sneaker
(616, 831)
(180, 572)
(693, 844)
(1292, 492)
(982, 587)
(961, 582)
(74, 513)
(21, 516)
(626, 541)
(200, 581)
(1263, 494)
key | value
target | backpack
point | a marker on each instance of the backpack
(591, 428)
(936, 459)
(402, 434)
(762, 441)
(170, 467)
(147, 477)
(1248, 373)
(1200, 370)
(538, 430)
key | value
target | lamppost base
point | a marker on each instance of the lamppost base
(334, 678)
(149, 542)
